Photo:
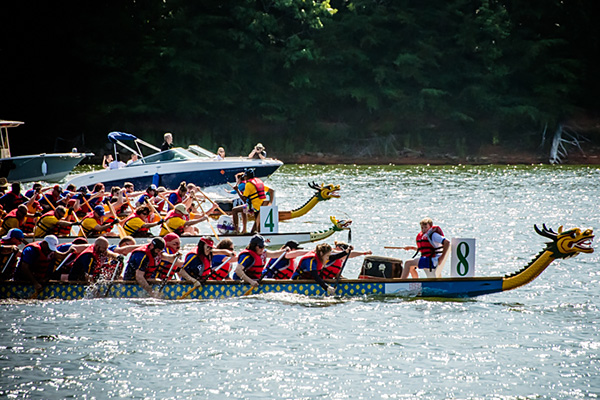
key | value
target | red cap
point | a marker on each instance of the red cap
(170, 236)
(208, 242)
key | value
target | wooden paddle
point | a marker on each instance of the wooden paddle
(339, 275)
(209, 199)
(398, 247)
(186, 294)
(120, 229)
(265, 273)
(209, 224)
(157, 213)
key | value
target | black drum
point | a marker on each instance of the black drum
(381, 267)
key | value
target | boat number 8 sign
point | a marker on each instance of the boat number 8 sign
(463, 258)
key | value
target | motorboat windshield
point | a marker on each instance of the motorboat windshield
(172, 155)
(201, 151)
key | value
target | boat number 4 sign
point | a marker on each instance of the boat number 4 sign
(269, 219)
(463, 258)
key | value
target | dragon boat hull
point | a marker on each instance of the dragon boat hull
(440, 288)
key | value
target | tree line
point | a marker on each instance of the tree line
(298, 75)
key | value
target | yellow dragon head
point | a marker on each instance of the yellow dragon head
(340, 225)
(325, 192)
(569, 243)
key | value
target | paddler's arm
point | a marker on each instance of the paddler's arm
(239, 270)
(187, 277)
(141, 280)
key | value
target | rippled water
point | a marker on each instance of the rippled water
(540, 341)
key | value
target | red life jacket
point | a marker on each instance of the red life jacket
(285, 272)
(96, 268)
(165, 266)
(48, 230)
(178, 200)
(130, 231)
(28, 225)
(40, 269)
(260, 189)
(171, 214)
(424, 246)
(255, 270)
(99, 221)
(153, 263)
(304, 274)
(223, 272)
(64, 230)
(11, 215)
(332, 271)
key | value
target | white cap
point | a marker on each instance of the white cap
(52, 242)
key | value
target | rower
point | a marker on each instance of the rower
(251, 260)
(12, 199)
(223, 270)
(311, 264)
(34, 265)
(48, 223)
(88, 265)
(284, 269)
(14, 219)
(178, 221)
(197, 264)
(333, 268)
(137, 224)
(93, 224)
(9, 251)
(434, 248)
(143, 263)
(172, 246)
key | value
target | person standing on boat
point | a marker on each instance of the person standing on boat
(333, 268)
(309, 266)
(93, 225)
(34, 265)
(168, 143)
(255, 192)
(434, 249)
(106, 160)
(251, 261)
(285, 268)
(12, 199)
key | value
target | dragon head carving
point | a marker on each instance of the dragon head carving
(340, 225)
(325, 192)
(569, 243)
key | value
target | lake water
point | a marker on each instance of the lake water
(540, 341)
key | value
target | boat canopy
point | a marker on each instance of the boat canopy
(117, 137)
(114, 137)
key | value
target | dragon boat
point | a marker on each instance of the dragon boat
(564, 244)
(322, 193)
(272, 240)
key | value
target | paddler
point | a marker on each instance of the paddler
(14, 219)
(197, 263)
(49, 223)
(137, 224)
(333, 268)
(12, 199)
(9, 251)
(285, 267)
(309, 266)
(221, 271)
(93, 224)
(143, 263)
(434, 249)
(178, 221)
(172, 246)
(34, 265)
(88, 264)
(251, 260)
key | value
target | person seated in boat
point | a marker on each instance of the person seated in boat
(34, 265)
(178, 221)
(106, 160)
(332, 269)
(221, 263)
(172, 246)
(251, 260)
(150, 195)
(138, 225)
(94, 225)
(285, 267)
(34, 191)
(143, 263)
(65, 255)
(168, 142)
(89, 264)
(434, 249)
(9, 252)
(220, 154)
(198, 263)
(309, 266)
(179, 195)
(134, 158)
(125, 246)
(116, 164)
(12, 199)
(50, 201)
(50, 222)
(258, 151)
(14, 219)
